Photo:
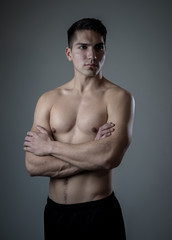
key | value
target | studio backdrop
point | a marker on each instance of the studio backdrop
(33, 39)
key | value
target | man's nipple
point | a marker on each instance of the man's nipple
(53, 133)
(94, 130)
(53, 130)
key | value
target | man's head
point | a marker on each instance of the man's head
(86, 46)
(86, 24)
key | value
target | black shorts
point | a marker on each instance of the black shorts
(99, 218)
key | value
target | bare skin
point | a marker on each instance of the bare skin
(73, 139)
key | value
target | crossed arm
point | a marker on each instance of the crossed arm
(45, 157)
(40, 163)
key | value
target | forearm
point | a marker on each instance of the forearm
(49, 166)
(93, 155)
(39, 161)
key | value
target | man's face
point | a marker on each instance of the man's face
(87, 53)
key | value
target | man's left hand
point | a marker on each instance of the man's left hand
(37, 142)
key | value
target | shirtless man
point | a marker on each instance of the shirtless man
(73, 141)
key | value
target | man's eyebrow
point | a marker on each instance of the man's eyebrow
(88, 44)
(82, 43)
(100, 44)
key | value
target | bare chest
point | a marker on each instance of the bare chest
(77, 115)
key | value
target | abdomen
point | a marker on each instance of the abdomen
(83, 187)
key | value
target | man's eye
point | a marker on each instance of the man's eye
(83, 47)
(100, 48)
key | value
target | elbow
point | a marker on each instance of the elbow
(112, 162)
(29, 166)
(30, 169)
(31, 172)
(116, 155)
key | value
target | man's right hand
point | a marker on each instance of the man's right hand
(105, 131)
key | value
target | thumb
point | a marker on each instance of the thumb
(41, 129)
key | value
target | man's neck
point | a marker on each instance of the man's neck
(84, 83)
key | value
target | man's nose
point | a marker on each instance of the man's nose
(92, 54)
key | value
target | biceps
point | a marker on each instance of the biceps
(41, 118)
(123, 129)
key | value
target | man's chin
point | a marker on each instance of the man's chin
(91, 73)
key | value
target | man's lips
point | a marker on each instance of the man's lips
(91, 65)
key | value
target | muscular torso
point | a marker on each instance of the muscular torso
(75, 118)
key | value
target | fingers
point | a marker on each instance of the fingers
(28, 138)
(105, 131)
(26, 146)
(110, 130)
(28, 141)
(106, 135)
(30, 133)
(26, 149)
(107, 128)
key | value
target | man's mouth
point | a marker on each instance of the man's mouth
(91, 65)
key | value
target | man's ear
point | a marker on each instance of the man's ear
(68, 54)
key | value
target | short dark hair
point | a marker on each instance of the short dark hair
(86, 24)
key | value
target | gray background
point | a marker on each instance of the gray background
(33, 41)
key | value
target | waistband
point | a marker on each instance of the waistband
(104, 202)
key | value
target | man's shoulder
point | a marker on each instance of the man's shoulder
(117, 93)
(55, 93)
(120, 102)
(51, 95)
